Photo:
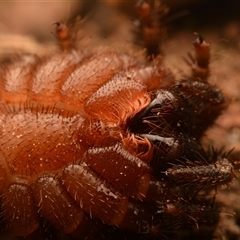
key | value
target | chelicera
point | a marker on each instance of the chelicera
(102, 143)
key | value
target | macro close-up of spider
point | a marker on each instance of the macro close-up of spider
(108, 134)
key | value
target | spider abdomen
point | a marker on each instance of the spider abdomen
(59, 111)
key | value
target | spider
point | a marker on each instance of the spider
(95, 144)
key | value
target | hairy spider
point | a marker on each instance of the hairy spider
(106, 145)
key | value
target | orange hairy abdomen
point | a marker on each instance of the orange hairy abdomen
(59, 118)
(45, 104)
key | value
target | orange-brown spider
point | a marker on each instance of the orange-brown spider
(104, 141)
